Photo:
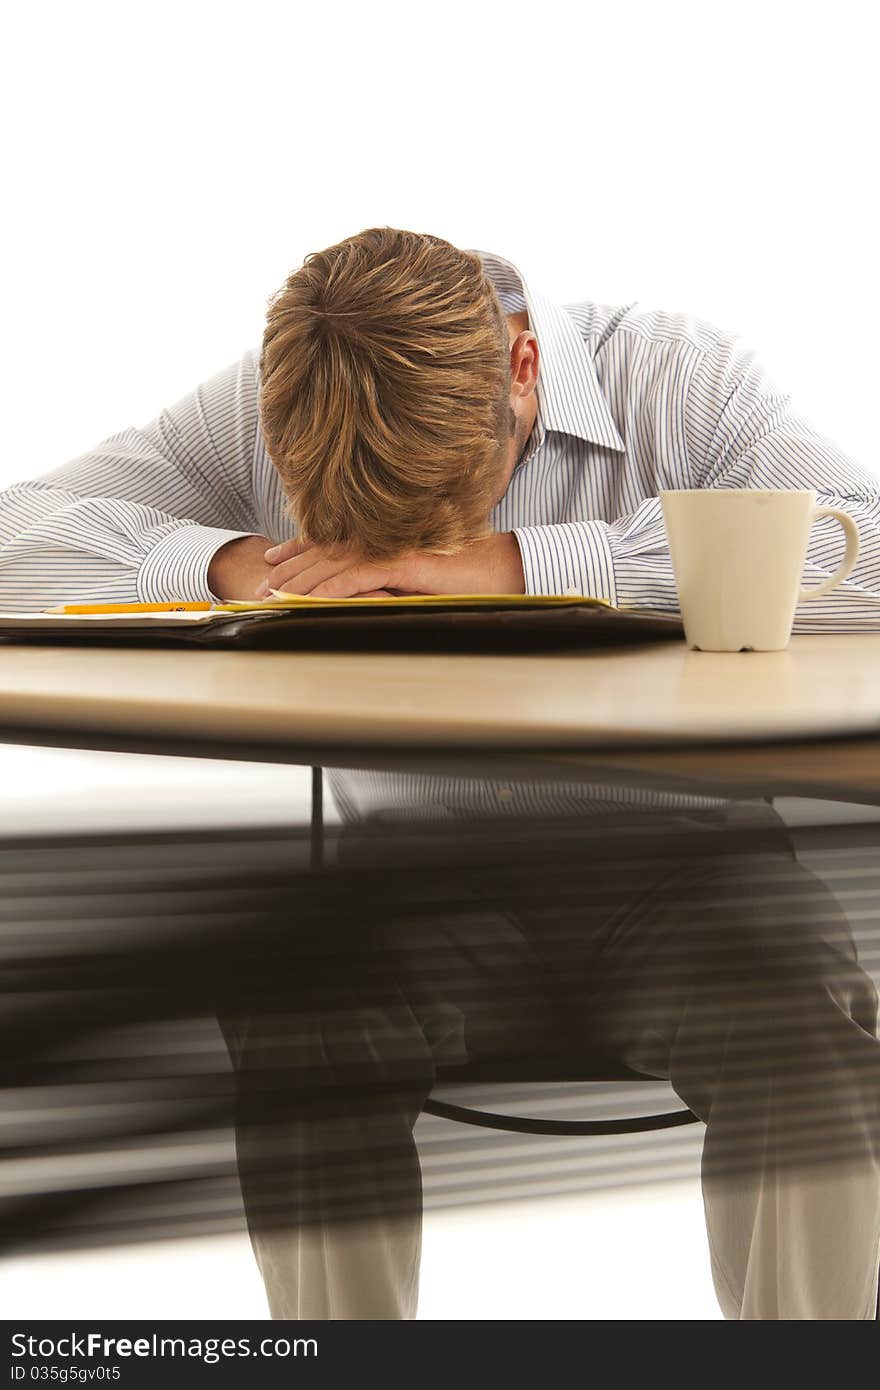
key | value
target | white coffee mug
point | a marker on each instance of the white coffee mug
(738, 556)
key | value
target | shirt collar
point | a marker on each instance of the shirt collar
(570, 398)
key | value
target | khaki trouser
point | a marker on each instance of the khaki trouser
(734, 977)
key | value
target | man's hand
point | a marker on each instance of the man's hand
(491, 566)
(239, 567)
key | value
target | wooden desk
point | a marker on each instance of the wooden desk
(803, 722)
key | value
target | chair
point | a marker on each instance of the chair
(524, 1069)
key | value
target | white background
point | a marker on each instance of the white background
(168, 164)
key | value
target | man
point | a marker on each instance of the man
(407, 409)
(419, 419)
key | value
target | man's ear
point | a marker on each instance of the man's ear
(524, 357)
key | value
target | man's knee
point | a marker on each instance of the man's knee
(775, 934)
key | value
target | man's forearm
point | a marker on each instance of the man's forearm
(239, 568)
(489, 566)
(58, 547)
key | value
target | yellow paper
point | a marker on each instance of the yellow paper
(282, 600)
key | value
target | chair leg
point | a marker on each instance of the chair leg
(317, 818)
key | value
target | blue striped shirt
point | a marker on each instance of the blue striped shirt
(629, 402)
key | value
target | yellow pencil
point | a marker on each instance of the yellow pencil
(133, 608)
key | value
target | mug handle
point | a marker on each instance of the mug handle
(847, 564)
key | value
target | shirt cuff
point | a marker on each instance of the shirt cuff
(175, 569)
(575, 555)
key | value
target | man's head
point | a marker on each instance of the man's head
(395, 398)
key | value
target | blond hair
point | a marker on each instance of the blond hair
(384, 394)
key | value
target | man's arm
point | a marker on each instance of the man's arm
(141, 517)
(740, 432)
(490, 566)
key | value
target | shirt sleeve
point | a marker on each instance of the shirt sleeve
(740, 432)
(626, 561)
(138, 518)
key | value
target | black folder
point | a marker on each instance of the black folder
(478, 622)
